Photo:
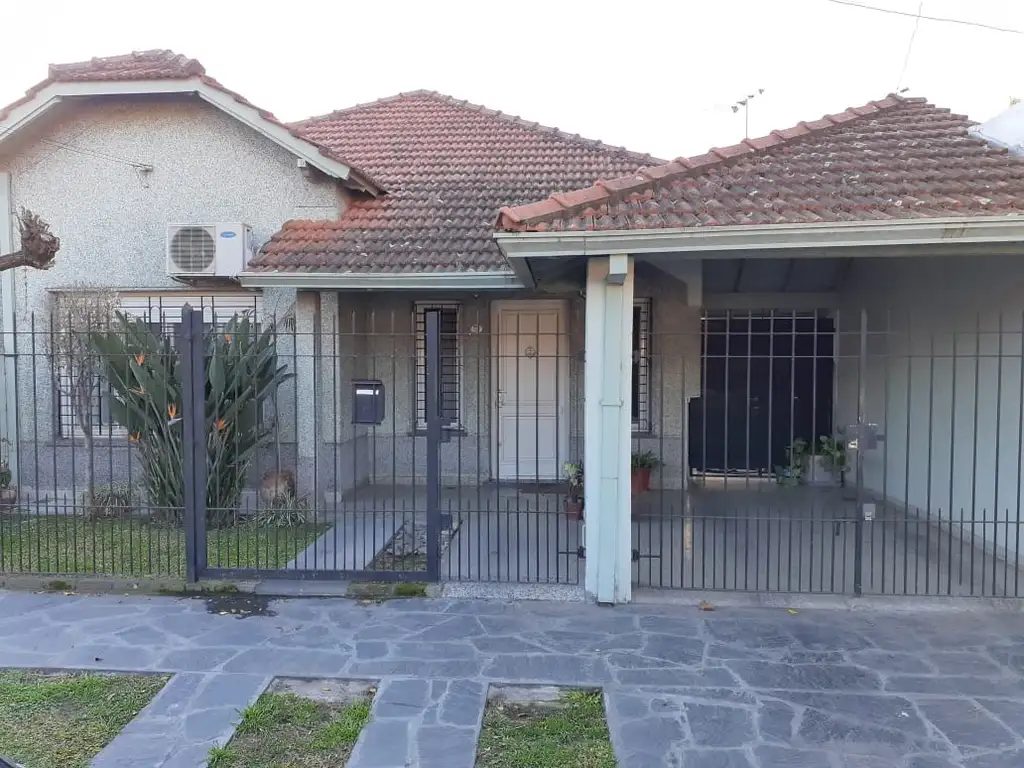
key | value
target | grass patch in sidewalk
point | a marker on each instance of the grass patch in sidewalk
(284, 730)
(64, 720)
(569, 731)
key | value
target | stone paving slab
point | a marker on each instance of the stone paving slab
(736, 687)
(420, 722)
(191, 714)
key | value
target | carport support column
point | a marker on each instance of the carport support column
(607, 381)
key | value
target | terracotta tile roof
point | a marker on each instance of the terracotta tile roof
(896, 158)
(162, 65)
(139, 65)
(448, 166)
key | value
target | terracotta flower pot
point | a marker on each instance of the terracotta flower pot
(573, 508)
(640, 480)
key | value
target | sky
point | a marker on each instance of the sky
(654, 75)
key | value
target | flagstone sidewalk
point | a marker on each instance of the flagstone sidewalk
(733, 688)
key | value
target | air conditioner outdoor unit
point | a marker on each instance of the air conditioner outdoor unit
(208, 250)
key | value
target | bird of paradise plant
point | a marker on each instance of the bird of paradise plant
(145, 374)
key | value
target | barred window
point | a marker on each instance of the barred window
(451, 363)
(99, 395)
(641, 394)
(163, 311)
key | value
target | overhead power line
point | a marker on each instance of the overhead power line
(910, 46)
(894, 12)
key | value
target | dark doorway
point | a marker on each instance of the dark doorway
(766, 380)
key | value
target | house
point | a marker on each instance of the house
(814, 336)
(366, 217)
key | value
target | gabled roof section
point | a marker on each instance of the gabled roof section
(140, 65)
(896, 158)
(164, 71)
(449, 166)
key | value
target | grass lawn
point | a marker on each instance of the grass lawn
(63, 721)
(282, 730)
(75, 545)
(569, 733)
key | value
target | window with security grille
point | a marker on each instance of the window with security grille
(98, 393)
(641, 394)
(163, 312)
(451, 364)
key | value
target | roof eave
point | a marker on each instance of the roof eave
(369, 281)
(22, 114)
(517, 246)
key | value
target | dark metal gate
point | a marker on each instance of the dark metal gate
(854, 452)
(408, 545)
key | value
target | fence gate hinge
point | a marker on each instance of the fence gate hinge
(581, 553)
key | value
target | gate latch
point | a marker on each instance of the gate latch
(863, 437)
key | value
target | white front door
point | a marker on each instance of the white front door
(531, 394)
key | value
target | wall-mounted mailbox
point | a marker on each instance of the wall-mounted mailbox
(367, 401)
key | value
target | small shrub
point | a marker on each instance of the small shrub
(110, 501)
(284, 512)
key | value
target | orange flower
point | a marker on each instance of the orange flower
(172, 410)
(220, 424)
(134, 438)
(140, 358)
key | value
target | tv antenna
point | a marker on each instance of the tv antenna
(744, 104)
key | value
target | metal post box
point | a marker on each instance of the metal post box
(367, 401)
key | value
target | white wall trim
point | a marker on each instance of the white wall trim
(799, 237)
(418, 281)
(562, 307)
(54, 93)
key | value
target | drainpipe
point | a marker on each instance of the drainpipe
(8, 348)
(606, 441)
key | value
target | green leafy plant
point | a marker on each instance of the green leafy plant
(573, 474)
(145, 374)
(285, 511)
(795, 472)
(110, 501)
(644, 460)
(833, 454)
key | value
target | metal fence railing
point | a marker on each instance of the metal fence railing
(838, 451)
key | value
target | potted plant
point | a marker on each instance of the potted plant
(641, 464)
(573, 503)
(8, 494)
(798, 461)
(830, 460)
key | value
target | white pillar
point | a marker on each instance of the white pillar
(606, 440)
(307, 393)
(8, 349)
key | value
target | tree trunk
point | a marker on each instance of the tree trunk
(14, 260)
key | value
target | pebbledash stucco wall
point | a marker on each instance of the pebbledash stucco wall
(77, 173)
(943, 377)
(375, 339)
